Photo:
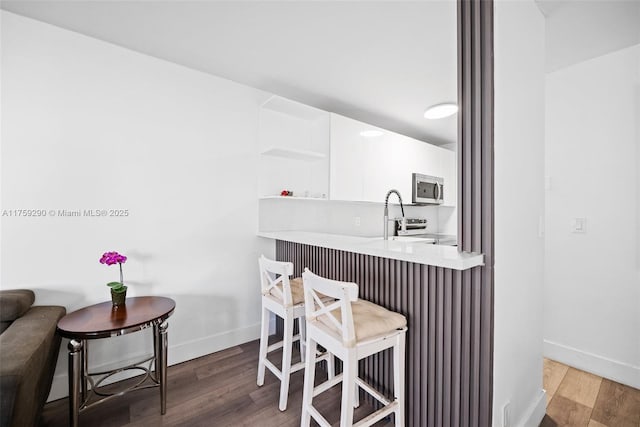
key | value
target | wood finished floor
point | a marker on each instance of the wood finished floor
(215, 390)
(579, 399)
(220, 390)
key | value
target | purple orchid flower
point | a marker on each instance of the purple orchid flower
(110, 258)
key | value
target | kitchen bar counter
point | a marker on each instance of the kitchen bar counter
(448, 316)
(411, 250)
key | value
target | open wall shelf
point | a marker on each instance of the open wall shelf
(305, 155)
(318, 199)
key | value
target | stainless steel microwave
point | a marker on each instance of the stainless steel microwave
(427, 190)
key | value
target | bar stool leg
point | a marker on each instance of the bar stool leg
(398, 378)
(302, 326)
(349, 372)
(356, 395)
(331, 366)
(286, 359)
(264, 343)
(309, 379)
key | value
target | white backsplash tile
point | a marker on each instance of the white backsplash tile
(339, 217)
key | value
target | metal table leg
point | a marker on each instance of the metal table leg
(75, 370)
(160, 349)
(84, 354)
(156, 351)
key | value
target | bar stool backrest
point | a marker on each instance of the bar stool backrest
(341, 294)
(273, 273)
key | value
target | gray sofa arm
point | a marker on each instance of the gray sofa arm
(27, 362)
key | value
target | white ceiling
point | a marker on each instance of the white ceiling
(379, 62)
(578, 30)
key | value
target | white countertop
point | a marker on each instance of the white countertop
(419, 252)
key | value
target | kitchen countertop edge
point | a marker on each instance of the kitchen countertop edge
(419, 253)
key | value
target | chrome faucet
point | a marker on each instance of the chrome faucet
(386, 213)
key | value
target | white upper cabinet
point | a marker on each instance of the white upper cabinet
(349, 160)
(365, 168)
(318, 154)
(449, 162)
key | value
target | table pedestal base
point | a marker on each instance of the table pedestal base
(80, 395)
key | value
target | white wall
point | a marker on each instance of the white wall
(88, 125)
(519, 205)
(592, 286)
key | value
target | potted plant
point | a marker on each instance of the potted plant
(118, 289)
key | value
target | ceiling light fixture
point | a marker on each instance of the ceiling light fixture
(372, 133)
(440, 111)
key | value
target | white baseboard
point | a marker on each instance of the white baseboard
(608, 368)
(212, 343)
(178, 353)
(535, 413)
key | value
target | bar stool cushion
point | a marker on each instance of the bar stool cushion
(297, 291)
(369, 320)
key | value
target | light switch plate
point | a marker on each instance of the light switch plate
(579, 225)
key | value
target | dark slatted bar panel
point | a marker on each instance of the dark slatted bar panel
(445, 341)
(475, 207)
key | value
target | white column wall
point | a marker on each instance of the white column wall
(519, 207)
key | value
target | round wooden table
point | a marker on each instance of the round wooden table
(104, 321)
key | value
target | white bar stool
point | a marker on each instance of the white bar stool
(351, 329)
(285, 298)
